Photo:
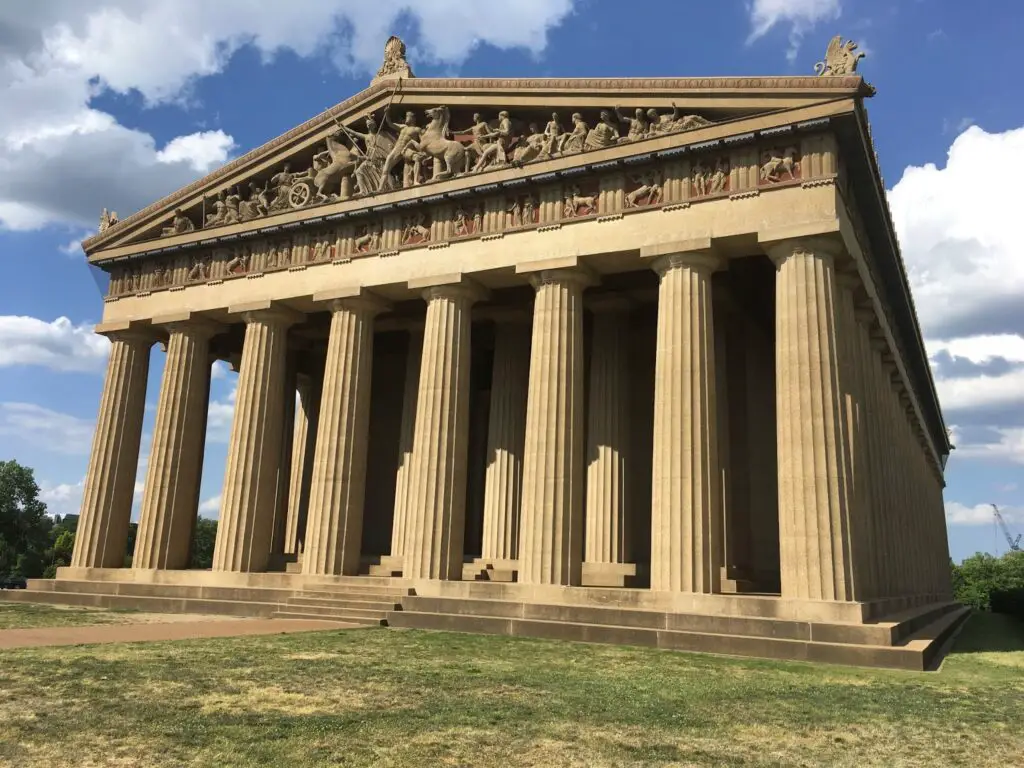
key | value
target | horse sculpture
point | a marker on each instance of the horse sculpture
(435, 143)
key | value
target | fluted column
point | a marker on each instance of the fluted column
(169, 502)
(335, 528)
(249, 500)
(303, 452)
(685, 519)
(407, 434)
(436, 511)
(551, 533)
(110, 480)
(814, 453)
(607, 528)
(506, 436)
(282, 487)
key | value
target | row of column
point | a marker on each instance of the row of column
(860, 512)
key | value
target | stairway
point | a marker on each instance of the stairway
(913, 640)
(369, 605)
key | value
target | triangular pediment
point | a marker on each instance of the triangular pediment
(339, 156)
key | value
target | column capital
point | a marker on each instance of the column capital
(129, 331)
(579, 275)
(700, 261)
(824, 247)
(453, 286)
(267, 312)
(191, 323)
(355, 299)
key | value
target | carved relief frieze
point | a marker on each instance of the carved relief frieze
(710, 176)
(467, 219)
(416, 228)
(369, 237)
(779, 164)
(643, 189)
(523, 211)
(579, 200)
(199, 268)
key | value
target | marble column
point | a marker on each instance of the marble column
(551, 532)
(334, 532)
(407, 434)
(607, 542)
(814, 453)
(303, 452)
(506, 436)
(169, 502)
(436, 511)
(248, 503)
(110, 480)
(685, 519)
(282, 490)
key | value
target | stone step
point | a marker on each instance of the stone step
(878, 634)
(354, 592)
(148, 603)
(932, 640)
(359, 603)
(341, 618)
(703, 642)
(67, 586)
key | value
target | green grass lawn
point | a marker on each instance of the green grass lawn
(397, 698)
(24, 615)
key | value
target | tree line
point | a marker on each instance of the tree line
(34, 545)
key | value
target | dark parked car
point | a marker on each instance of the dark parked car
(13, 582)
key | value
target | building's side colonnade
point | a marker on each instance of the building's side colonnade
(859, 499)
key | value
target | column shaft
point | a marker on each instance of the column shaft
(506, 435)
(110, 481)
(436, 512)
(335, 528)
(250, 478)
(814, 456)
(551, 534)
(607, 529)
(169, 502)
(400, 524)
(303, 453)
(685, 515)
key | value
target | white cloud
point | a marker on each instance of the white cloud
(63, 498)
(958, 231)
(219, 417)
(1008, 446)
(219, 370)
(981, 391)
(981, 349)
(800, 15)
(211, 505)
(47, 429)
(979, 514)
(56, 55)
(59, 345)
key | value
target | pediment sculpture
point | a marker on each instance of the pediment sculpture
(840, 58)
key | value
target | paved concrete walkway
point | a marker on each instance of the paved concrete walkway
(177, 630)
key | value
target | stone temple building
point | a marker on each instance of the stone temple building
(624, 360)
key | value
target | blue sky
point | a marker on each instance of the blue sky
(117, 102)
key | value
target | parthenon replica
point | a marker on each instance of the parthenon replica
(614, 360)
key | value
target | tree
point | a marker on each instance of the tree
(24, 526)
(204, 536)
(980, 577)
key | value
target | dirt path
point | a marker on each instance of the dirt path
(172, 630)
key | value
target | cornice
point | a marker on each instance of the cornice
(827, 87)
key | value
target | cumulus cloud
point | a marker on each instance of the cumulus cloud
(210, 506)
(62, 498)
(799, 15)
(979, 514)
(59, 345)
(45, 428)
(57, 55)
(219, 417)
(1006, 444)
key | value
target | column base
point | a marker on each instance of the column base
(614, 575)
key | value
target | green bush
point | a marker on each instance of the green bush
(990, 583)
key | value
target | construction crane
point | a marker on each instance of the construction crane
(1013, 542)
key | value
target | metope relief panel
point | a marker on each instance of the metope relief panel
(580, 199)
(779, 164)
(644, 189)
(368, 237)
(416, 228)
(467, 220)
(523, 211)
(709, 176)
